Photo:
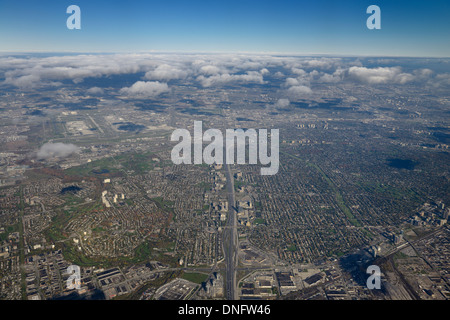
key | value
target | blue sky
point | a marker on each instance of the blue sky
(409, 28)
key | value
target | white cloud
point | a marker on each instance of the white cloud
(329, 78)
(165, 72)
(60, 150)
(210, 70)
(291, 82)
(299, 72)
(423, 74)
(95, 91)
(323, 63)
(380, 75)
(145, 89)
(301, 81)
(442, 79)
(282, 103)
(336, 76)
(29, 81)
(297, 92)
(249, 77)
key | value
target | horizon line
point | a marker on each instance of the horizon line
(269, 53)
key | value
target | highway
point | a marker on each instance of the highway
(230, 239)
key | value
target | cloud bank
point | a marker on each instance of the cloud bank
(157, 72)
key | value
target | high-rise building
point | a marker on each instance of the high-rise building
(397, 238)
(446, 213)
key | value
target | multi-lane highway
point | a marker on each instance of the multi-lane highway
(230, 239)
